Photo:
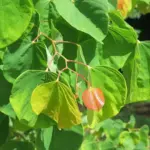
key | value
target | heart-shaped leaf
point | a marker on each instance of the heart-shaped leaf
(113, 85)
(57, 101)
(22, 91)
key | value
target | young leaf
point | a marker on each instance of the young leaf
(57, 101)
(93, 98)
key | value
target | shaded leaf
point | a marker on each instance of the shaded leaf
(63, 138)
(22, 56)
(5, 89)
(4, 128)
(81, 13)
(17, 145)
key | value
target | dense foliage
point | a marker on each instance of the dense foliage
(51, 51)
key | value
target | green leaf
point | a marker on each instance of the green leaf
(44, 137)
(137, 74)
(20, 12)
(82, 17)
(117, 19)
(68, 139)
(131, 123)
(56, 100)
(1, 55)
(43, 121)
(8, 110)
(143, 6)
(5, 89)
(91, 57)
(126, 140)
(108, 144)
(17, 145)
(22, 91)
(4, 128)
(21, 56)
(119, 43)
(80, 68)
(112, 4)
(112, 128)
(144, 134)
(113, 85)
(89, 143)
(42, 7)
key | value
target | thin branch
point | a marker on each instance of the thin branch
(77, 62)
(67, 42)
(60, 72)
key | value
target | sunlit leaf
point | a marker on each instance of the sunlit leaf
(137, 74)
(57, 101)
(22, 91)
(113, 85)
(15, 17)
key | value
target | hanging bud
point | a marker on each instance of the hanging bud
(93, 98)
